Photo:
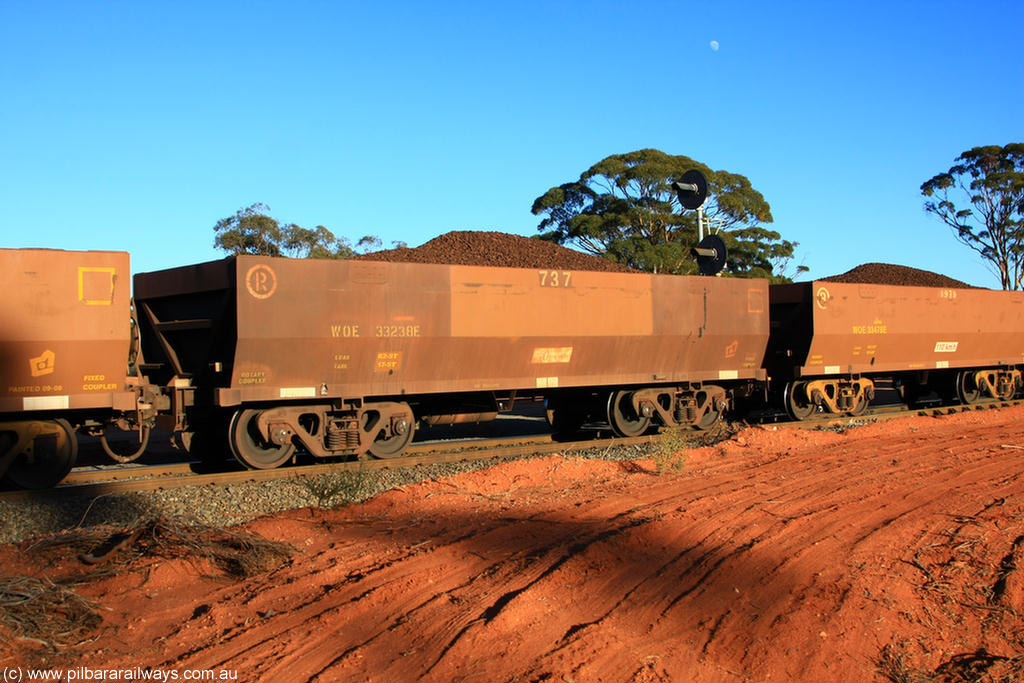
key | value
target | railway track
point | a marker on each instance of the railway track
(117, 479)
(121, 479)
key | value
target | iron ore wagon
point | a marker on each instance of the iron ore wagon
(344, 357)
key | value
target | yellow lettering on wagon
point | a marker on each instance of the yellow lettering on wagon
(399, 331)
(34, 389)
(555, 278)
(345, 330)
(97, 383)
(252, 377)
(877, 327)
(108, 386)
(388, 361)
(341, 361)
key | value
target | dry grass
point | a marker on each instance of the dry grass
(235, 553)
(965, 574)
(45, 613)
(335, 489)
(42, 611)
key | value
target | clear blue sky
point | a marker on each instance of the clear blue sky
(137, 125)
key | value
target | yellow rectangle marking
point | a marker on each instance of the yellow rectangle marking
(547, 382)
(557, 354)
(831, 369)
(728, 374)
(93, 288)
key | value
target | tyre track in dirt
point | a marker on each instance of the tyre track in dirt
(773, 555)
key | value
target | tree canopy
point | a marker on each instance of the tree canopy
(253, 230)
(981, 197)
(623, 208)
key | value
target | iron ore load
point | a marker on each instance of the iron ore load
(262, 357)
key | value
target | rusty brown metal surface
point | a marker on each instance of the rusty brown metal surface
(829, 328)
(284, 329)
(64, 330)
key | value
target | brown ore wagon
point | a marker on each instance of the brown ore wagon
(64, 351)
(344, 357)
(830, 341)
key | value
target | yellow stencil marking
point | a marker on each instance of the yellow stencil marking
(100, 290)
(261, 281)
(388, 361)
(558, 354)
(43, 364)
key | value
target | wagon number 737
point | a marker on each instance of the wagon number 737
(555, 278)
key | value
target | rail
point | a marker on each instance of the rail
(117, 479)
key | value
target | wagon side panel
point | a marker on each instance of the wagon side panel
(861, 328)
(65, 335)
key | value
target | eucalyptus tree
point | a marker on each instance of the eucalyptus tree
(624, 208)
(253, 230)
(981, 197)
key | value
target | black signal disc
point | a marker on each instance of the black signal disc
(689, 199)
(711, 265)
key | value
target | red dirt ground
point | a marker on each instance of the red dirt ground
(780, 555)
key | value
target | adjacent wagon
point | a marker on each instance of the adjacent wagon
(831, 340)
(65, 342)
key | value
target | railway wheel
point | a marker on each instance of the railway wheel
(861, 407)
(248, 445)
(796, 402)
(392, 446)
(623, 418)
(1007, 389)
(48, 457)
(709, 419)
(967, 388)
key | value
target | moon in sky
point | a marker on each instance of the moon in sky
(714, 45)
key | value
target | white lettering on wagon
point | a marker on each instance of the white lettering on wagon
(946, 347)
